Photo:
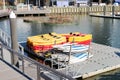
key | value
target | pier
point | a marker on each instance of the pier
(105, 16)
(32, 12)
(105, 58)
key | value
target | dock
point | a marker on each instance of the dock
(32, 12)
(105, 58)
(104, 16)
(5, 13)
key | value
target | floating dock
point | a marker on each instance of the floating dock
(105, 58)
(105, 16)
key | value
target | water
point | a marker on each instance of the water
(104, 30)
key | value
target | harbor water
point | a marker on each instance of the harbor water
(104, 30)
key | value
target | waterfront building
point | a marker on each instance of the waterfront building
(59, 3)
(62, 3)
(50, 2)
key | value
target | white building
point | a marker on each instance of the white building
(82, 2)
(62, 3)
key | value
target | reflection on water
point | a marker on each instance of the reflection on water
(104, 31)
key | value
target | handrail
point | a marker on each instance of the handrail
(5, 43)
(39, 65)
(5, 38)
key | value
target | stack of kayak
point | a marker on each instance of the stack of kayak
(45, 42)
(78, 38)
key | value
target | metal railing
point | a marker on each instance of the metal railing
(28, 66)
(5, 38)
(31, 67)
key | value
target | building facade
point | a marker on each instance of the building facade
(41, 3)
